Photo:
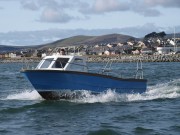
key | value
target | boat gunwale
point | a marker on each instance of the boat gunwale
(85, 73)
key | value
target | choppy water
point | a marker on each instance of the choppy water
(24, 112)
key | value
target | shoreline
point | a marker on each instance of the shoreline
(135, 58)
(115, 58)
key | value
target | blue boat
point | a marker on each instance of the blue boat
(56, 76)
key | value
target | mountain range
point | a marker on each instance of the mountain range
(73, 41)
(79, 40)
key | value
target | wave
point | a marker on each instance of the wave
(9, 73)
(25, 95)
(160, 91)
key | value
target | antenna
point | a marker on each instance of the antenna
(175, 49)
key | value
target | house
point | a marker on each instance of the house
(19, 54)
(136, 52)
(12, 55)
(43, 55)
(6, 55)
(98, 50)
(120, 44)
(111, 45)
(107, 52)
(167, 49)
(130, 43)
(146, 51)
(96, 46)
(1, 56)
(139, 44)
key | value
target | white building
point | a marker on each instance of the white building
(167, 49)
(43, 55)
(12, 55)
(146, 51)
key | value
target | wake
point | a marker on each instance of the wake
(25, 95)
(167, 90)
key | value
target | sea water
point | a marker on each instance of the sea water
(157, 111)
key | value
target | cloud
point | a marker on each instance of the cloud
(29, 4)
(53, 11)
(105, 6)
(109, 5)
(150, 8)
(61, 11)
(39, 4)
(147, 8)
(55, 15)
(147, 12)
(163, 3)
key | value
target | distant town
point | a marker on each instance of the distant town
(152, 44)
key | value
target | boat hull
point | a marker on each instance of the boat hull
(51, 82)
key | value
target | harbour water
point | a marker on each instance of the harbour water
(157, 111)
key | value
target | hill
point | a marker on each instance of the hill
(4, 48)
(67, 41)
(74, 41)
(89, 40)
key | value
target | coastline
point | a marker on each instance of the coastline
(103, 58)
(135, 58)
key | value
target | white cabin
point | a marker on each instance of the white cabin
(63, 62)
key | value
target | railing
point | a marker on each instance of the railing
(139, 70)
(27, 64)
(107, 68)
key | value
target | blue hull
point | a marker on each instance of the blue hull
(52, 80)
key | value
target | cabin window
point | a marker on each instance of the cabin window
(60, 63)
(77, 65)
(46, 63)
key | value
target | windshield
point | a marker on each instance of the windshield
(46, 63)
(77, 65)
(60, 63)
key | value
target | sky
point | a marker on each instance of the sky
(34, 22)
